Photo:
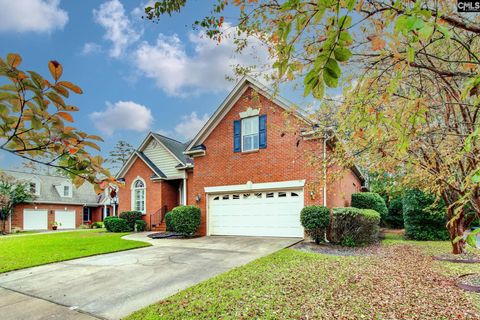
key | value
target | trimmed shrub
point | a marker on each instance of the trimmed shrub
(98, 225)
(186, 220)
(131, 217)
(168, 221)
(115, 224)
(394, 217)
(140, 225)
(315, 220)
(353, 226)
(370, 200)
(423, 218)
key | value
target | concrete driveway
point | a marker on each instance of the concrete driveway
(114, 285)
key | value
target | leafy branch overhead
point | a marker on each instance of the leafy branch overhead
(36, 123)
(411, 77)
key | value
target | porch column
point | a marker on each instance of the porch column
(104, 211)
(184, 193)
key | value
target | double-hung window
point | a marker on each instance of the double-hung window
(250, 134)
(139, 196)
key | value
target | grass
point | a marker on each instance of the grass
(18, 252)
(403, 282)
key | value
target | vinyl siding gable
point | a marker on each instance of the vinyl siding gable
(163, 159)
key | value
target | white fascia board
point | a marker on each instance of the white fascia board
(282, 185)
(232, 98)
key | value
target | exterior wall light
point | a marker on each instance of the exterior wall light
(197, 198)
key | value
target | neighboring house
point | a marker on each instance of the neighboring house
(57, 200)
(248, 169)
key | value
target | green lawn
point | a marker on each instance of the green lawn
(401, 282)
(18, 252)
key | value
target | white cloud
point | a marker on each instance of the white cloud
(31, 15)
(180, 73)
(118, 28)
(190, 125)
(91, 47)
(123, 115)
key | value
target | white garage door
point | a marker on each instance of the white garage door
(267, 213)
(35, 219)
(66, 219)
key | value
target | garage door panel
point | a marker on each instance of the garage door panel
(267, 213)
(35, 219)
(66, 219)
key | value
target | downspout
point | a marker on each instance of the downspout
(325, 139)
(184, 186)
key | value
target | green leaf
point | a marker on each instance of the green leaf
(344, 22)
(350, 4)
(330, 80)
(471, 240)
(333, 68)
(342, 54)
(345, 38)
(410, 54)
(426, 31)
(476, 177)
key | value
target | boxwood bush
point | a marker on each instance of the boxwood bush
(186, 220)
(140, 225)
(131, 217)
(370, 200)
(423, 218)
(353, 226)
(315, 220)
(168, 221)
(115, 224)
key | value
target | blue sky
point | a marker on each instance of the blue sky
(136, 75)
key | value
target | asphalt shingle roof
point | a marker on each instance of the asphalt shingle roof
(176, 147)
(85, 194)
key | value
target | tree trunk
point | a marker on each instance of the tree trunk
(455, 230)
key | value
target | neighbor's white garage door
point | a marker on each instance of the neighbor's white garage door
(35, 219)
(66, 218)
(267, 213)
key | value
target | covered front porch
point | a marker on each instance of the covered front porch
(173, 193)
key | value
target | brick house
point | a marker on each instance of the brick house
(248, 169)
(56, 200)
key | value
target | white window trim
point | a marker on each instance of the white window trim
(61, 190)
(132, 197)
(242, 133)
(250, 187)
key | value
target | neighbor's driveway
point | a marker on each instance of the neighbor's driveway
(116, 284)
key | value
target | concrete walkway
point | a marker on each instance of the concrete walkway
(114, 285)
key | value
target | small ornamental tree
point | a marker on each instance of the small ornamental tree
(12, 193)
(35, 124)
(315, 220)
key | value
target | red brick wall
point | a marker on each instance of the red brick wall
(339, 192)
(153, 190)
(286, 157)
(17, 218)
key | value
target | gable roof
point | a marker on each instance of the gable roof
(174, 147)
(151, 165)
(227, 104)
(85, 194)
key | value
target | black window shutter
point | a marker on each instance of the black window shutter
(237, 136)
(262, 131)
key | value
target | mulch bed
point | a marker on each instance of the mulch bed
(327, 248)
(165, 235)
(459, 258)
(469, 282)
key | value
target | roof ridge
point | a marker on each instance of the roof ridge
(161, 135)
(35, 173)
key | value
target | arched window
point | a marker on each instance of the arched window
(138, 195)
